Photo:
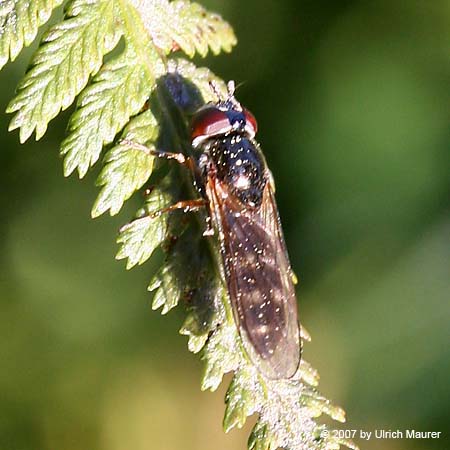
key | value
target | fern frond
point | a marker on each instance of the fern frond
(185, 25)
(70, 52)
(239, 401)
(118, 91)
(141, 237)
(127, 168)
(165, 284)
(260, 439)
(19, 24)
(145, 94)
(221, 355)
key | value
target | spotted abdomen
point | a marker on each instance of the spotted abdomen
(259, 279)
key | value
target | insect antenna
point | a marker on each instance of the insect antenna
(230, 100)
(215, 89)
(231, 87)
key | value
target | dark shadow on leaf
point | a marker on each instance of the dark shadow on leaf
(188, 273)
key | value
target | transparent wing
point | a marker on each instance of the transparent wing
(259, 279)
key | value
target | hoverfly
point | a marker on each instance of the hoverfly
(237, 189)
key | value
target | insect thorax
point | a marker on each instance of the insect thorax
(240, 165)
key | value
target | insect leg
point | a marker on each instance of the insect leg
(188, 206)
(185, 205)
(179, 157)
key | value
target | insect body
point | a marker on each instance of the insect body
(234, 180)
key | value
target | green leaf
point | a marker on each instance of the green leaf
(221, 354)
(185, 25)
(187, 273)
(308, 373)
(127, 168)
(172, 279)
(167, 289)
(70, 52)
(19, 23)
(118, 92)
(143, 129)
(196, 340)
(239, 401)
(205, 311)
(318, 405)
(260, 438)
(201, 77)
(140, 238)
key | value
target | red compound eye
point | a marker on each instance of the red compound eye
(250, 122)
(209, 121)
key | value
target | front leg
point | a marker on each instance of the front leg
(188, 162)
(179, 157)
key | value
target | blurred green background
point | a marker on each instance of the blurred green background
(352, 99)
